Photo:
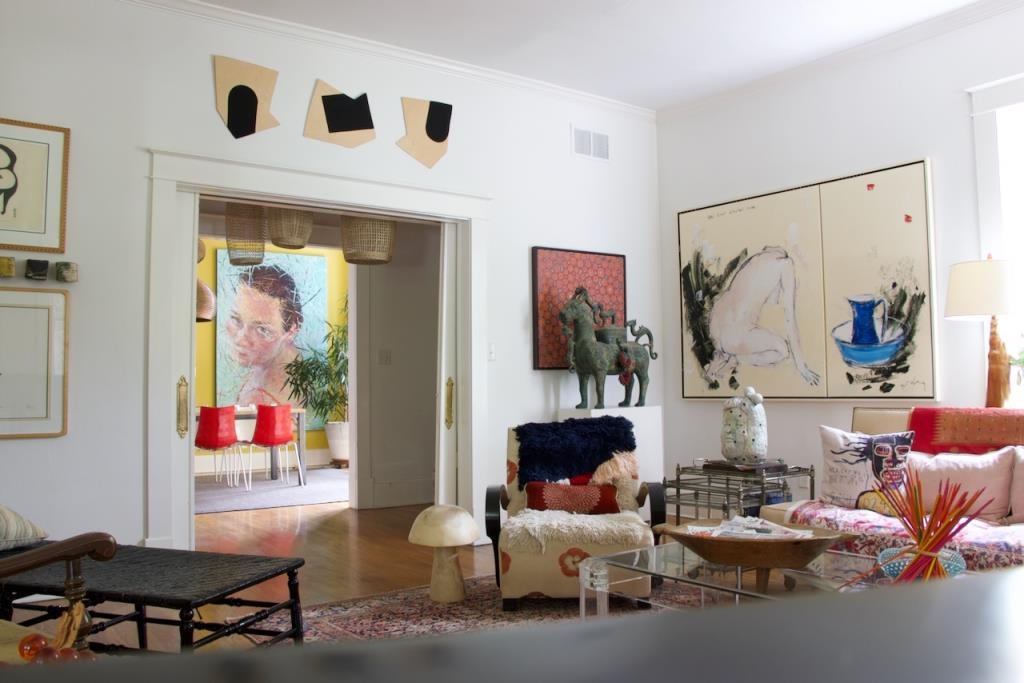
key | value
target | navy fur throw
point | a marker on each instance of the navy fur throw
(549, 451)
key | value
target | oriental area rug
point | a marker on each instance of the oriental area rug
(410, 613)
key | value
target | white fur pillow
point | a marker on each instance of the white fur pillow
(992, 471)
(622, 470)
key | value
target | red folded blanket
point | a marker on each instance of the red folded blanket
(965, 430)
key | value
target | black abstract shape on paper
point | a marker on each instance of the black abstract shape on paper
(439, 119)
(8, 178)
(344, 114)
(242, 106)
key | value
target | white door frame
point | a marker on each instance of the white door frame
(446, 467)
(176, 181)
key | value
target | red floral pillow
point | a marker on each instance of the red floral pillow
(585, 499)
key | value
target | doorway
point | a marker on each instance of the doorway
(396, 325)
(177, 180)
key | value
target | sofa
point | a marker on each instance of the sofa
(975, 447)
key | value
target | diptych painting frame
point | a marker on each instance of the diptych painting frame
(820, 291)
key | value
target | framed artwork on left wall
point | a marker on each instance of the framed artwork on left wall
(33, 365)
(33, 185)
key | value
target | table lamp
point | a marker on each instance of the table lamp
(979, 290)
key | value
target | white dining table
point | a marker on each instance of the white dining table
(299, 417)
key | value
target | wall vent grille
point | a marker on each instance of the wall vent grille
(589, 143)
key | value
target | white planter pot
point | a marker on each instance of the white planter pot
(337, 442)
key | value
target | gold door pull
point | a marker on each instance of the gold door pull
(449, 403)
(182, 407)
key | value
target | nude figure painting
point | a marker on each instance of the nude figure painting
(822, 291)
(728, 314)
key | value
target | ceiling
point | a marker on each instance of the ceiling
(653, 54)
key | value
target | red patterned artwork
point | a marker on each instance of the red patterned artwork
(556, 275)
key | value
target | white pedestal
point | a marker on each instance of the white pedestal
(647, 428)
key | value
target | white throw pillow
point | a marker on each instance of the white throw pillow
(16, 531)
(992, 471)
(852, 460)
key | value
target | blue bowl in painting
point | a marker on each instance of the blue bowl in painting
(891, 340)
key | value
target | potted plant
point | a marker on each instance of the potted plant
(319, 380)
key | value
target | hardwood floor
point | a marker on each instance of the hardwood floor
(349, 553)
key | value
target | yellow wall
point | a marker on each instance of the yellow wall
(337, 292)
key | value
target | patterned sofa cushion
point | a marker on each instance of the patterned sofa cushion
(983, 544)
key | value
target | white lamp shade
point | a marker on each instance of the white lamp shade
(981, 289)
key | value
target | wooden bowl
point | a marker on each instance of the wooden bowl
(771, 553)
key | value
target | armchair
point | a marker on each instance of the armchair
(571, 491)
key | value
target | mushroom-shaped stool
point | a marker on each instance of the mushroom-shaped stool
(444, 528)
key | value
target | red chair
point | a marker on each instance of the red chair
(216, 432)
(274, 430)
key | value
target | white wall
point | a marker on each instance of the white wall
(869, 110)
(126, 78)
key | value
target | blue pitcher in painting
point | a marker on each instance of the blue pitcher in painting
(864, 305)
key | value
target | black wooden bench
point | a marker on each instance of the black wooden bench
(181, 580)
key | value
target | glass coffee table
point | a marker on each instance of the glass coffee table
(664, 565)
(683, 580)
(838, 571)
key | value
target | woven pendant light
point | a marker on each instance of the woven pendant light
(289, 228)
(246, 228)
(367, 240)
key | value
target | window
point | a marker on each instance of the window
(998, 111)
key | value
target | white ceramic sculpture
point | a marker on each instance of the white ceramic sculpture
(745, 429)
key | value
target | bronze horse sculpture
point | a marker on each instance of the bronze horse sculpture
(596, 349)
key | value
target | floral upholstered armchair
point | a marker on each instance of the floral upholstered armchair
(572, 491)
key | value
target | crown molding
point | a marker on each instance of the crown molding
(352, 44)
(954, 21)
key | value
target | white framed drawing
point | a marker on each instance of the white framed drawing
(33, 185)
(33, 366)
(821, 291)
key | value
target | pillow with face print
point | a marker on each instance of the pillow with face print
(854, 462)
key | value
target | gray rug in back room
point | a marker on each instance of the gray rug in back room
(323, 485)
